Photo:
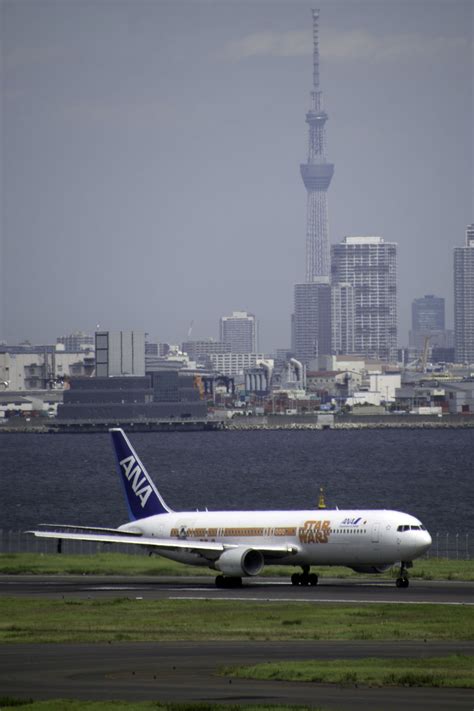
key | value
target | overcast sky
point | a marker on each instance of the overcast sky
(151, 150)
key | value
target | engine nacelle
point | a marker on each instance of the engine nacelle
(237, 562)
(372, 568)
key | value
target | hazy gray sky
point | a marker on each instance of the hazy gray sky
(151, 151)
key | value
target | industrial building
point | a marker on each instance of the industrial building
(165, 395)
(119, 353)
(41, 367)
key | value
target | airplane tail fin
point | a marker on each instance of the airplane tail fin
(142, 496)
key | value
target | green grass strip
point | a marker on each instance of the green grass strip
(122, 564)
(124, 619)
(456, 670)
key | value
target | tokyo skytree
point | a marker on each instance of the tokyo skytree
(316, 174)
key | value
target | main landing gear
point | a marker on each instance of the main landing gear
(304, 578)
(227, 581)
(402, 580)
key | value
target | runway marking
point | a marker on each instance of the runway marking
(312, 599)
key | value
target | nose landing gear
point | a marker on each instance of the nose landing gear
(304, 578)
(402, 580)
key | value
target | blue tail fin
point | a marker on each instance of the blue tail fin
(143, 498)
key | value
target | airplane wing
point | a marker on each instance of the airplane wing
(208, 549)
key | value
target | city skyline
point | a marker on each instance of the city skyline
(151, 153)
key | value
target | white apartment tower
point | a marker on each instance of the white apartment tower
(369, 265)
(239, 331)
(464, 299)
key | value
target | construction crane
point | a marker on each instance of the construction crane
(422, 366)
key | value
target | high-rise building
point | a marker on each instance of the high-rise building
(239, 331)
(427, 313)
(342, 319)
(312, 320)
(428, 324)
(464, 299)
(119, 353)
(316, 174)
(369, 265)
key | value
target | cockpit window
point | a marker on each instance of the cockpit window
(415, 528)
(403, 528)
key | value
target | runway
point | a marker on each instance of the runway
(189, 671)
(348, 591)
(184, 672)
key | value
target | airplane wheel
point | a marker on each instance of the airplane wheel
(220, 581)
(313, 579)
(295, 579)
(402, 582)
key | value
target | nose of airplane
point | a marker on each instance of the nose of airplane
(424, 541)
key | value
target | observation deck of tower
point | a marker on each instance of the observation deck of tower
(317, 174)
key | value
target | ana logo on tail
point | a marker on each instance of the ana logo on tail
(138, 480)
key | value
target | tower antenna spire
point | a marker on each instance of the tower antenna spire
(315, 48)
(316, 174)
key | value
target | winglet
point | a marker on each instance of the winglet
(143, 498)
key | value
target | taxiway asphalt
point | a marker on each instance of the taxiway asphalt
(189, 671)
(351, 590)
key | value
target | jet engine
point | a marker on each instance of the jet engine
(237, 562)
(371, 568)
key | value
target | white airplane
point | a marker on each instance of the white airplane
(240, 543)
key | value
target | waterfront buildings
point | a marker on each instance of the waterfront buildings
(464, 299)
(239, 332)
(161, 395)
(369, 265)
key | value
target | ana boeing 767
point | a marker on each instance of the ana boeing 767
(240, 543)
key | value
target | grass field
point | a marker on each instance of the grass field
(124, 619)
(455, 670)
(121, 564)
(73, 705)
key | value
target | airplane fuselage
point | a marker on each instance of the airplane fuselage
(351, 538)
